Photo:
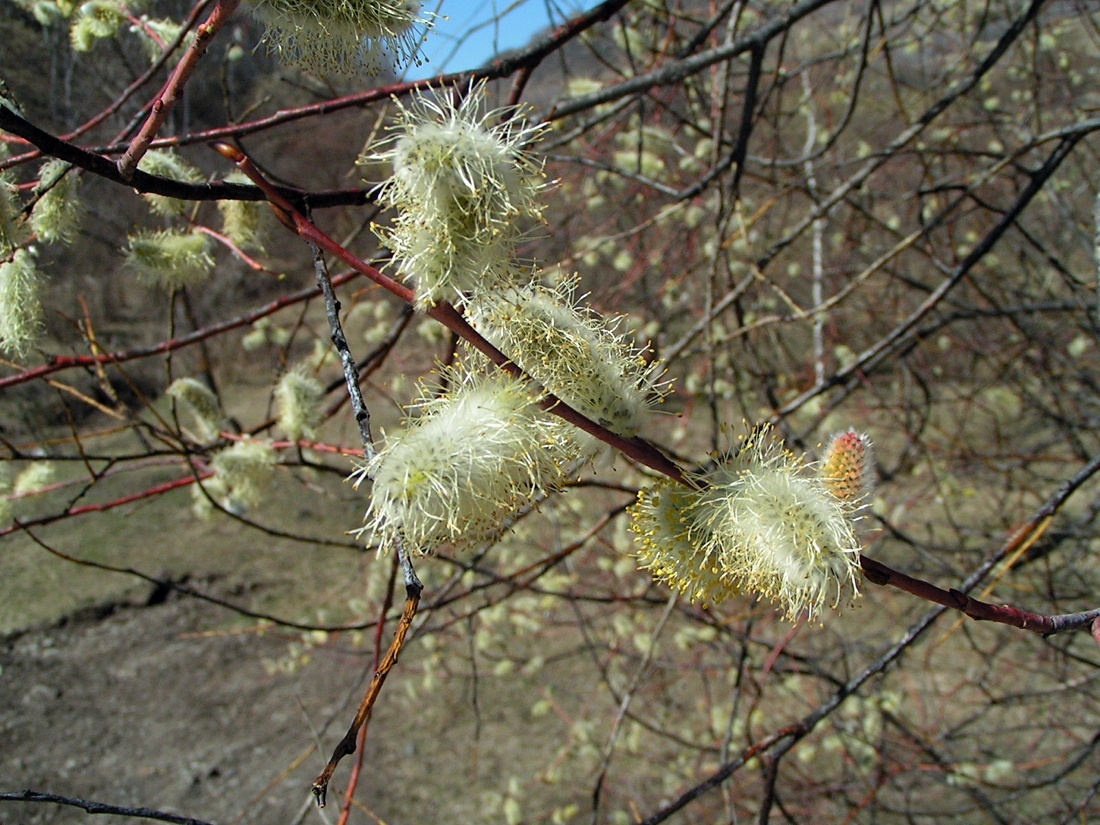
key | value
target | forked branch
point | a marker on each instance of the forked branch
(173, 89)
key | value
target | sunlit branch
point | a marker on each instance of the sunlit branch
(100, 165)
(347, 745)
(634, 448)
(173, 89)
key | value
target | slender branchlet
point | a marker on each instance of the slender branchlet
(467, 462)
(464, 191)
(165, 163)
(202, 404)
(170, 258)
(580, 356)
(56, 216)
(299, 396)
(343, 37)
(670, 543)
(20, 304)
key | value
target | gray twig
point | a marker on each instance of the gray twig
(99, 807)
(351, 373)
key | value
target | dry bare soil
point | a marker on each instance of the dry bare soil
(118, 691)
(160, 706)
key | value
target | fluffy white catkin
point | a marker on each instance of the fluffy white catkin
(20, 304)
(470, 460)
(776, 528)
(758, 521)
(577, 354)
(464, 191)
(342, 37)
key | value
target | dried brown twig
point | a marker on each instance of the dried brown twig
(347, 745)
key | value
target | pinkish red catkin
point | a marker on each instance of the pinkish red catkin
(848, 467)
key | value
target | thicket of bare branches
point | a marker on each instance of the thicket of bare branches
(818, 215)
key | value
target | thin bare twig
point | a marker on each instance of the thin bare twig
(104, 167)
(413, 586)
(99, 807)
(183, 589)
(347, 745)
(624, 705)
(340, 341)
(361, 740)
(64, 362)
(879, 573)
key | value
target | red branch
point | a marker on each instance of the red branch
(84, 509)
(635, 448)
(173, 89)
(64, 362)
